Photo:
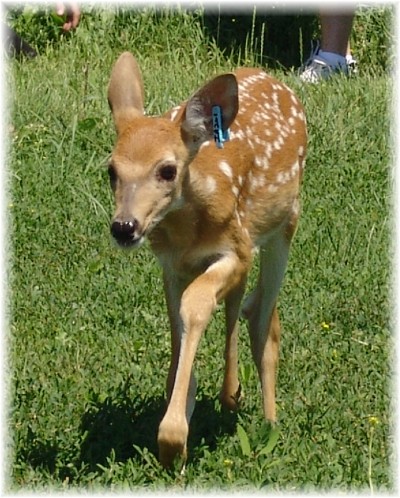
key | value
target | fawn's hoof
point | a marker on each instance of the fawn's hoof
(172, 442)
(231, 401)
(171, 455)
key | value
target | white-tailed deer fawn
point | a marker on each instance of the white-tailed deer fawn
(205, 205)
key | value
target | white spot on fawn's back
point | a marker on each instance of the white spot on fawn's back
(226, 169)
(210, 184)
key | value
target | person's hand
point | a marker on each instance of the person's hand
(72, 14)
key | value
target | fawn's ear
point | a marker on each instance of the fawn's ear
(222, 91)
(125, 91)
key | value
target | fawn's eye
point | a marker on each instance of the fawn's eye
(167, 172)
(112, 176)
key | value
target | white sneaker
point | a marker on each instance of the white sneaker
(317, 69)
(351, 65)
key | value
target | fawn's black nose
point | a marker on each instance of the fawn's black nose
(124, 232)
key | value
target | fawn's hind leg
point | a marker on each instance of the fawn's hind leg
(260, 310)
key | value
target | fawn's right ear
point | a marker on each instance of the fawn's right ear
(125, 91)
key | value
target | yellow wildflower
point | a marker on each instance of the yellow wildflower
(373, 420)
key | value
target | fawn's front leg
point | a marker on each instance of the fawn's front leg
(230, 394)
(198, 302)
(174, 287)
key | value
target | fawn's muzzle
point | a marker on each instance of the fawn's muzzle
(125, 232)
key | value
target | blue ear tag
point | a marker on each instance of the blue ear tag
(220, 136)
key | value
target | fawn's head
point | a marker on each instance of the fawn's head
(151, 157)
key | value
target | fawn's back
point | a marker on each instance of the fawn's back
(250, 186)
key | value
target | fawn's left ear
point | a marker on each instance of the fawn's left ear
(197, 124)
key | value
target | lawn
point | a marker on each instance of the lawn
(87, 339)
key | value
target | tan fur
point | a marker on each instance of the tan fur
(205, 223)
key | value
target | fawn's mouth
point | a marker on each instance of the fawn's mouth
(129, 242)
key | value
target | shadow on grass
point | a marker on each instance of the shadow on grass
(120, 424)
(119, 427)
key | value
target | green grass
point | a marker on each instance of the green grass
(88, 340)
